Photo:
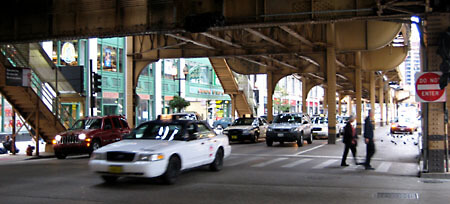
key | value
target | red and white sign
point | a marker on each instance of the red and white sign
(427, 87)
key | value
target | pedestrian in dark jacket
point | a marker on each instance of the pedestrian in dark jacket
(368, 138)
(350, 141)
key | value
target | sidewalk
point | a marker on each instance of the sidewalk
(10, 158)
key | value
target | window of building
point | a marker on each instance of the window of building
(68, 53)
(109, 59)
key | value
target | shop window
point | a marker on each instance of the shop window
(109, 57)
(68, 53)
(200, 75)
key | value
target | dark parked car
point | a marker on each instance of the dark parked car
(222, 123)
(89, 134)
(289, 127)
(247, 128)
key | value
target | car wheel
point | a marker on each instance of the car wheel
(60, 155)
(217, 164)
(281, 142)
(269, 142)
(95, 145)
(110, 179)
(300, 141)
(310, 139)
(172, 171)
(255, 138)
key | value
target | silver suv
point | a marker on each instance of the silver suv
(290, 127)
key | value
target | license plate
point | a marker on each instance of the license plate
(115, 169)
(280, 134)
(234, 137)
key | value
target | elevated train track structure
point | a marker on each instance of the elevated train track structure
(350, 47)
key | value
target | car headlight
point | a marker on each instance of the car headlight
(246, 132)
(98, 156)
(58, 138)
(82, 136)
(269, 129)
(293, 129)
(150, 157)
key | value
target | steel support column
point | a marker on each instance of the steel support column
(381, 101)
(387, 100)
(350, 106)
(129, 78)
(233, 106)
(339, 104)
(372, 96)
(304, 96)
(358, 87)
(331, 82)
(269, 96)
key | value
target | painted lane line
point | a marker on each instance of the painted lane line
(295, 163)
(314, 148)
(325, 164)
(242, 161)
(351, 168)
(269, 162)
(384, 167)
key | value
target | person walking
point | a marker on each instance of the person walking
(368, 138)
(350, 141)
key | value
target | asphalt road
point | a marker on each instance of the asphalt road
(254, 173)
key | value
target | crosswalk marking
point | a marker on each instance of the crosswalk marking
(384, 167)
(325, 164)
(351, 168)
(295, 163)
(242, 161)
(269, 162)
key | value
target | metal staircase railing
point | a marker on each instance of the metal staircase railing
(43, 89)
(247, 89)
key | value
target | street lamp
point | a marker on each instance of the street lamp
(185, 72)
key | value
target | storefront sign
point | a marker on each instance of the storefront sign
(110, 95)
(18, 76)
(196, 90)
(68, 52)
(144, 96)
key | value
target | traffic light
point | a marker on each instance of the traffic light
(96, 83)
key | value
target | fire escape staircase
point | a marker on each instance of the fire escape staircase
(237, 92)
(37, 104)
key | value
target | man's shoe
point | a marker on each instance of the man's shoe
(344, 164)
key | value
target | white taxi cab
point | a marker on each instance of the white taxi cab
(161, 148)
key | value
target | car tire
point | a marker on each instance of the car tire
(281, 142)
(310, 139)
(269, 142)
(95, 145)
(110, 179)
(172, 171)
(217, 164)
(300, 141)
(60, 155)
(255, 138)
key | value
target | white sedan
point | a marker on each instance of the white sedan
(161, 148)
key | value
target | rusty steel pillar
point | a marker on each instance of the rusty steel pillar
(381, 101)
(372, 96)
(339, 104)
(331, 82)
(358, 91)
(304, 96)
(269, 96)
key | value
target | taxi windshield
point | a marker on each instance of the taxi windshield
(154, 131)
(287, 119)
(243, 121)
(86, 124)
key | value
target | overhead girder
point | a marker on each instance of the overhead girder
(24, 20)
(384, 59)
(365, 35)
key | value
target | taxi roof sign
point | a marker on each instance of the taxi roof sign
(165, 117)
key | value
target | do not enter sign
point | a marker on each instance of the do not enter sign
(427, 87)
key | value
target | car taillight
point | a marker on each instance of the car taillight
(394, 125)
